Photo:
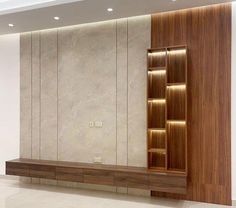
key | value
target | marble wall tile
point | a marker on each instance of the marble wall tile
(49, 90)
(36, 95)
(35, 98)
(87, 92)
(25, 96)
(138, 42)
(122, 91)
(93, 72)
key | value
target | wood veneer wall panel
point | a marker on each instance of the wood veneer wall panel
(156, 139)
(176, 134)
(156, 112)
(25, 95)
(156, 85)
(207, 33)
(176, 103)
(176, 67)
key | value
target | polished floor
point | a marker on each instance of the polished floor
(17, 195)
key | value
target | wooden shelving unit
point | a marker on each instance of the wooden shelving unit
(167, 109)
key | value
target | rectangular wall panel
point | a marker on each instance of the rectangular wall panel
(87, 92)
(80, 75)
(138, 43)
(122, 91)
(25, 96)
(233, 103)
(48, 142)
(36, 95)
(207, 33)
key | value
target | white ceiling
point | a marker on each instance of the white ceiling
(29, 17)
(12, 6)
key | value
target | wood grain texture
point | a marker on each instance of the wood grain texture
(176, 104)
(111, 175)
(157, 60)
(176, 66)
(176, 134)
(156, 85)
(207, 33)
(156, 112)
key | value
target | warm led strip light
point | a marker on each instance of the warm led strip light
(179, 87)
(177, 51)
(157, 130)
(177, 122)
(157, 72)
(158, 53)
(161, 101)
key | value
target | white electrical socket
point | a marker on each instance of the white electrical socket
(91, 124)
(97, 160)
(98, 124)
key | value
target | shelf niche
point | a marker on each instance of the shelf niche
(167, 109)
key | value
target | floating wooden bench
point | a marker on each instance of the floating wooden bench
(112, 175)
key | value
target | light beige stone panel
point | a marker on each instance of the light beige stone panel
(87, 92)
(48, 148)
(36, 95)
(139, 41)
(35, 98)
(25, 96)
(122, 91)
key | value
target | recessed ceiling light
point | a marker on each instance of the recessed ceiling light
(110, 10)
(56, 18)
(10, 25)
(174, 0)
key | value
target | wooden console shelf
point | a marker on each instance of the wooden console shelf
(112, 175)
(167, 109)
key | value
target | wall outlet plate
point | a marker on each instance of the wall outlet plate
(97, 160)
(91, 124)
(98, 124)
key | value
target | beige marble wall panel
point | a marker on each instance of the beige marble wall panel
(93, 72)
(25, 96)
(35, 98)
(87, 92)
(36, 95)
(139, 41)
(122, 91)
(48, 147)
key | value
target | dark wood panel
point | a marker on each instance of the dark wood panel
(69, 174)
(157, 139)
(17, 169)
(176, 66)
(176, 134)
(100, 177)
(157, 159)
(176, 102)
(163, 184)
(207, 33)
(156, 84)
(156, 58)
(112, 175)
(38, 171)
(157, 114)
(140, 181)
